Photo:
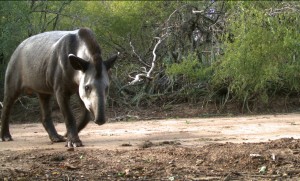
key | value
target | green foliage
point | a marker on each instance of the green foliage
(264, 55)
(260, 44)
(13, 24)
(191, 76)
(190, 68)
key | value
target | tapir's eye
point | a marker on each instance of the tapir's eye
(87, 88)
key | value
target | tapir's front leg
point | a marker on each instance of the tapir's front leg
(63, 100)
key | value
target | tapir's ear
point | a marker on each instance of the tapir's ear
(110, 62)
(78, 63)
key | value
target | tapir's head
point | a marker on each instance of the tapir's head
(93, 79)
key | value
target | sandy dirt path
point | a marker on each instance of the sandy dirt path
(187, 132)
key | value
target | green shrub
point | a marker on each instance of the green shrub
(190, 68)
(263, 58)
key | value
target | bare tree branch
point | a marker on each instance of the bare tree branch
(147, 74)
(196, 12)
(137, 78)
(140, 59)
(59, 12)
(154, 56)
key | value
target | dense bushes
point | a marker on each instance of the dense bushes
(263, 58)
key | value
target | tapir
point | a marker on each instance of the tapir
(59, 64)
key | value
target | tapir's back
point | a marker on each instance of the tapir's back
(34, 58)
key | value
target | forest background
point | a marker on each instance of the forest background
(173, 52)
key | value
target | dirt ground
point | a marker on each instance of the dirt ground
(264, 147)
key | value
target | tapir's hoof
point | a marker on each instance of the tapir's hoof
(6, 137)
(57, 138)
(74, 143)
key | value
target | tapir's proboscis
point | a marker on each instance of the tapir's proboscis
(59, 63)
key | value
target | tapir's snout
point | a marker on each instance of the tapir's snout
(100, 121)
(99, 113)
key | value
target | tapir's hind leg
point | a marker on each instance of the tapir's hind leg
(5, 134)
(9, 98)
(46, 118)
